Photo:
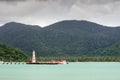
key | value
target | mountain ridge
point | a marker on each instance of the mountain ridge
(69, 37)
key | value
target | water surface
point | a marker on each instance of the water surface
(71, 71)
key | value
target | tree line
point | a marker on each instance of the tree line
(81, 58)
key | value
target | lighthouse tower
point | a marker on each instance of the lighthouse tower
(33, 57)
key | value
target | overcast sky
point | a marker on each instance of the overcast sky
(45, 12)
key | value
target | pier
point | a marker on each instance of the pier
(12, 62)
(34, 61)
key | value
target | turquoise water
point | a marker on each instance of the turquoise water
(71, 71)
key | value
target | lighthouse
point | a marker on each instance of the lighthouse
(33, 57)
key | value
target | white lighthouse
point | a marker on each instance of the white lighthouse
(33, 57)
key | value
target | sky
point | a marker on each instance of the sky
(46, 12)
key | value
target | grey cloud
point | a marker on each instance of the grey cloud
(44, 12)
(47, 10)
(43, 0)
(98, 1)
(11, 0)
(99, 6)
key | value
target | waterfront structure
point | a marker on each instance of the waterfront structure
(33, 57)
(34, 61)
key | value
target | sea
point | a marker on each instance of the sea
(71, 71)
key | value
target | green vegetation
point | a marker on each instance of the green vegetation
(8, 53)
(82, 58)
(74, 39)
(113, 50)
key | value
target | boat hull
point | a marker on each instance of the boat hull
(43, 63)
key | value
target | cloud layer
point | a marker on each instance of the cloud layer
(45, 12)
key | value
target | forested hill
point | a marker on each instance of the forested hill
(8, 53)
(62, 38)
(113, 50)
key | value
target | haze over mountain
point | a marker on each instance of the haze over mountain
(68, 37)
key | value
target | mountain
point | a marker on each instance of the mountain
(8, 53)
(68, 37)
(20, 35)
(81, 37)
(113, 50)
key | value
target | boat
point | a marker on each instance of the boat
(48, 62)
(51, 62)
